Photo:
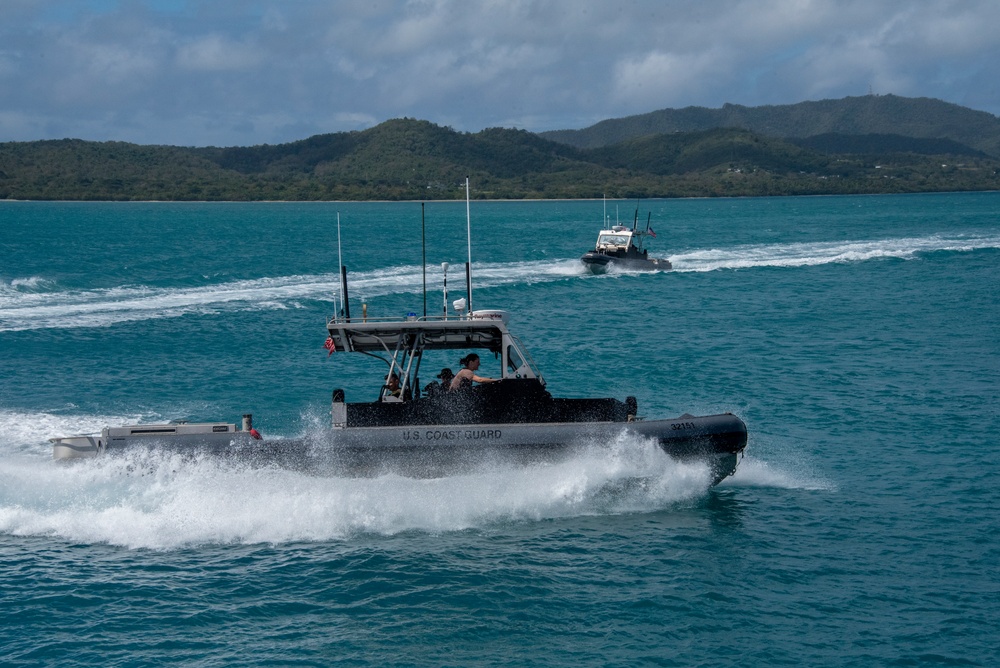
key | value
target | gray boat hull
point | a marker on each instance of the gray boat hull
(437, 450)
(599, 263)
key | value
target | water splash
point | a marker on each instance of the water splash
(162, 501)
(753, 472)
(26, 433)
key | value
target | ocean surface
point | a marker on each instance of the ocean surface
(858, 338)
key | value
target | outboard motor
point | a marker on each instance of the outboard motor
(248, 426)
(338, 409)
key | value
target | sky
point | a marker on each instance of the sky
(250, 72)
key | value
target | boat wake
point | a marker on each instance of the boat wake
(156, 500)
(818, 253)
(38, 303)
(44, 305)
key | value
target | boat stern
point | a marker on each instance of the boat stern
(77, 447)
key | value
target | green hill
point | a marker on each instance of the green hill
(418, 160)
(870, 114)
(398, 159)
(706, 151)
(876, 144)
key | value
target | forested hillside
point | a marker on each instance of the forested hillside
(867, 115)
(418, 160)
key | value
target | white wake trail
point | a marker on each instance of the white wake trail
(32, 303)
(827, 252)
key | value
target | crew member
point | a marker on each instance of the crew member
(467, 375)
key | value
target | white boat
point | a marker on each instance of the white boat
(622, 247)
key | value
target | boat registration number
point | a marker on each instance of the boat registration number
(681, 425)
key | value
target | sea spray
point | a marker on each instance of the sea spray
(152, 499)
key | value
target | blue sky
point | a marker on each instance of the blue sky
(248, 72)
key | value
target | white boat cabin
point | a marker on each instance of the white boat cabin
(618, 239)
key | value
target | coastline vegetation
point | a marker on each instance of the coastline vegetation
(407, 159)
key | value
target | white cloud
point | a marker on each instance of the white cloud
(260, 71)
(659, 78)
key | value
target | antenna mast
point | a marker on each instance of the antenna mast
(444, 268)
(344, 300)
(468, 234)
(423, 247)
(340, 261)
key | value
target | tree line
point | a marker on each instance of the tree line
(407, 159)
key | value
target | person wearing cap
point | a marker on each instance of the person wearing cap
(436, 387)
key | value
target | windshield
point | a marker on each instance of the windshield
(514, 361)
(612, 239)
(519, 362)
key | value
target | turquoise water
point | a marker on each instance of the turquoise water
(858, 337)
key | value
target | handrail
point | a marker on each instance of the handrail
(339, 320)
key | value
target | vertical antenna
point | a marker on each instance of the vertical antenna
(444, 268)
(604, 223)
(347, 303)
(468, 234)
(343, 275)
(423, 246)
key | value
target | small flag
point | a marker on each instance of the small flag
(330, 345)
(652, 233)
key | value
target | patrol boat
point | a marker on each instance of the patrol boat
(427, 433)
(623, 247)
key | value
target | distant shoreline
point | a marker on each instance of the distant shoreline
(405, 160)
(501, 201)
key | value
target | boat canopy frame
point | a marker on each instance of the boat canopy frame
(402, 343)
